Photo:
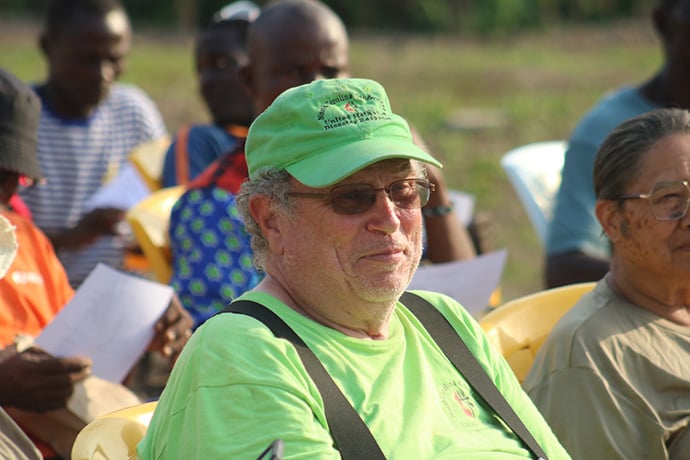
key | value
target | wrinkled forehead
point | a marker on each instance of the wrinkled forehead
(666, 161)
(397, 166)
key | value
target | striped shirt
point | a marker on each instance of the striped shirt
(77, 157)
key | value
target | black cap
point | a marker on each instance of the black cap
(20, 111)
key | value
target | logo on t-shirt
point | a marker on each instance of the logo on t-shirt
(27, 278)
(457, 400)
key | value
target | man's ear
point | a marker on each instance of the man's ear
(610, 218)
(261, 209)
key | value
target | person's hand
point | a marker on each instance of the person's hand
(94, 224)
(173, 330)
(35, 381)
(100, 221)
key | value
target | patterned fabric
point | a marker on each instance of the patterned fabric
(77, 158)
(212, 257)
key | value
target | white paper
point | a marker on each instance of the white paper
(110, 319)
(123, 192)
(470, 282)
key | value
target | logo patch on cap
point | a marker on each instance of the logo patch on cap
(352, 109)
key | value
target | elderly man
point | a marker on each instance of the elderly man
(618, 364)
(333, 203)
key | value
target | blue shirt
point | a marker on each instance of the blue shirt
(205, 144)
(574, 225)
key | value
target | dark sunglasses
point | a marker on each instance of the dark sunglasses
(350, 199)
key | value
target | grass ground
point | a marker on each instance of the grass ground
(536, 84)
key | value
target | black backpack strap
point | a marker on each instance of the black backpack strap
(352, 437)
(462, 358)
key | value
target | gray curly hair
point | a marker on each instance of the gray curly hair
(275, 184)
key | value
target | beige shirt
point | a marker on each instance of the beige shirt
(13, 442)
(613, 381)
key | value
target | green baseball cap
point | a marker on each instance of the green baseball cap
(327, 130)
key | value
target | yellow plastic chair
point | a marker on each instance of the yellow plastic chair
(150, 219)
(148, 158)
(114, 436)
(519, 327)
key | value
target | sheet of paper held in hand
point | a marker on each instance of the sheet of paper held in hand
(470, 282)
(123, 192)
(110, 319)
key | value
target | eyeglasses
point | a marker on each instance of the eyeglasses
(350, 199)
(668, 200)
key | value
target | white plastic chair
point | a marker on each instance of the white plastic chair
(534, 170)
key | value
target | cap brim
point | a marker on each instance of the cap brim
(332, 166)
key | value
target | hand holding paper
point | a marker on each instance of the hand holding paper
(110, 319)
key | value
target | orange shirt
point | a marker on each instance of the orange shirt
(35, 287)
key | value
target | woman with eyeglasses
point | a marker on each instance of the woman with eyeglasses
(613, 378)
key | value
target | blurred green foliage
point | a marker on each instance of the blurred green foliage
(463, 17)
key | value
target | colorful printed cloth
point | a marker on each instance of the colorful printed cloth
(212, 257)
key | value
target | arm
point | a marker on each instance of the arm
(574, 267)
(97, 223)
(447, 238)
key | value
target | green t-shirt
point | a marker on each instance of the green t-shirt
(236, 388)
